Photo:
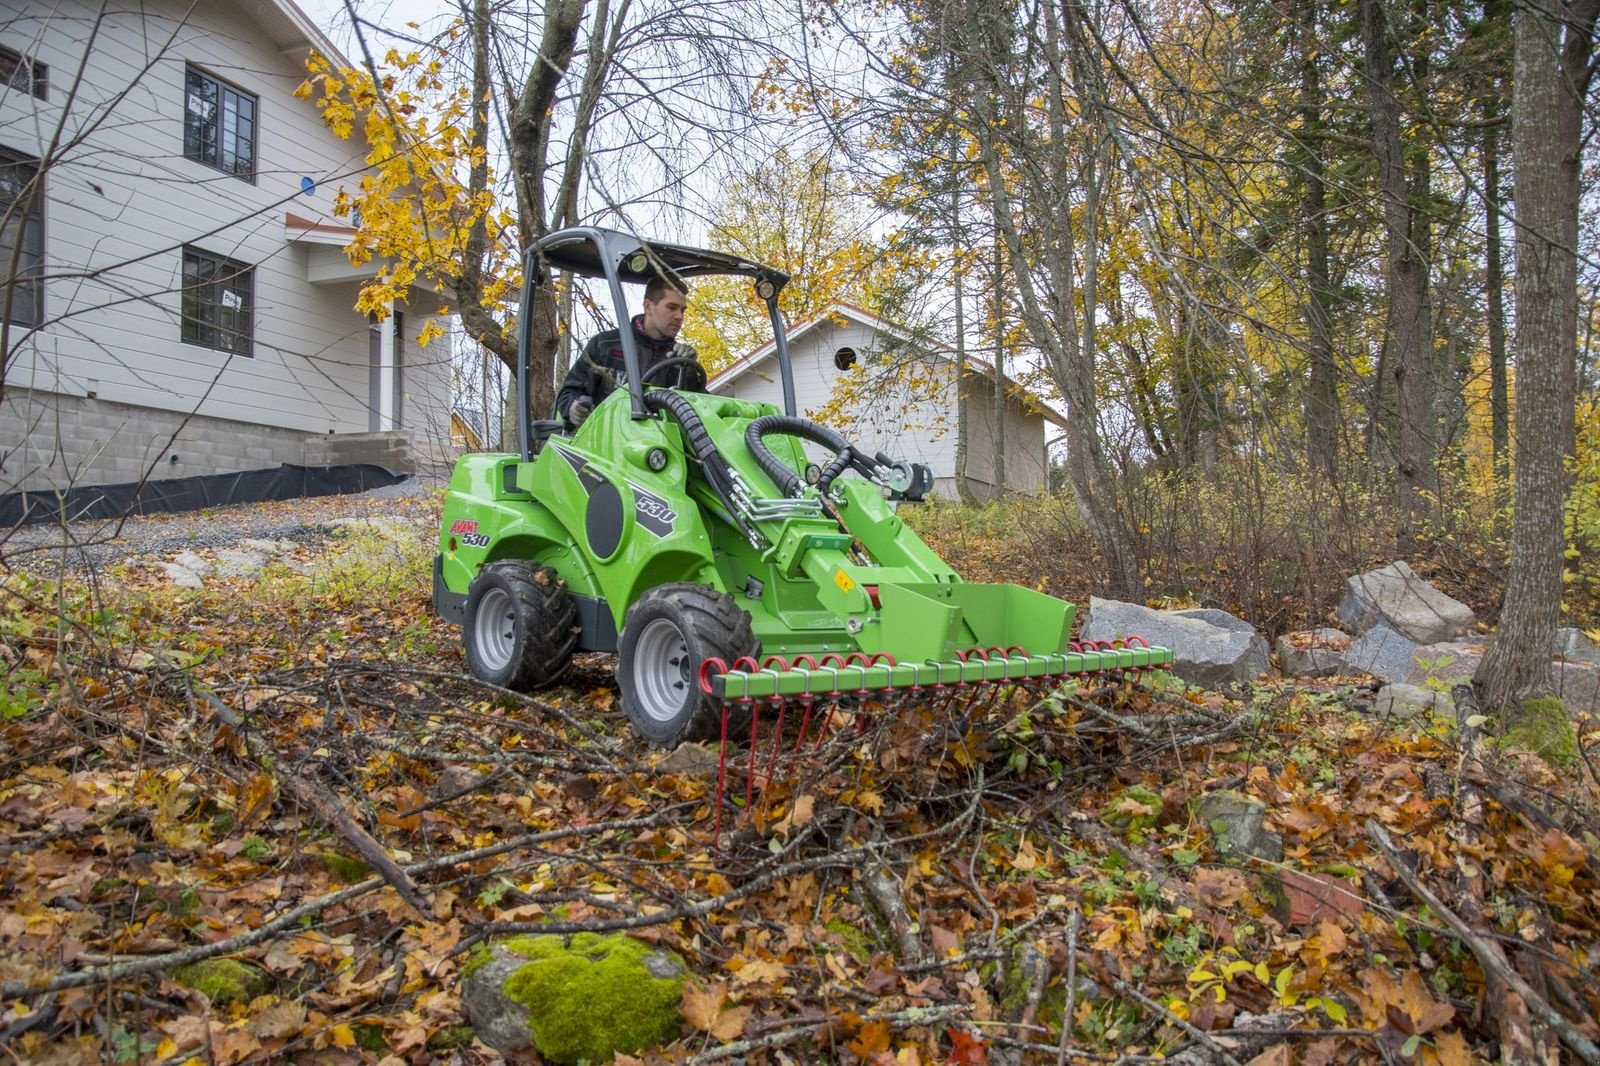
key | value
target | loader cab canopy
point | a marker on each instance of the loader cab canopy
(589, 251)
(593, 252)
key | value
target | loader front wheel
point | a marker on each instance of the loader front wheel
(521, 626)
(668, 633)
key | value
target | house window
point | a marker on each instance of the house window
(218, 295)
(219, 125)
(21, 239)
(844, 358)
(18, 71)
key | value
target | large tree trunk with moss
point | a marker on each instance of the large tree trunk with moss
(1516, 670)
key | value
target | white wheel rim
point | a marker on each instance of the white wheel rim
(662, 673)
(494, 628)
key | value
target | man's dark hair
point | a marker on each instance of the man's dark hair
(659, 285)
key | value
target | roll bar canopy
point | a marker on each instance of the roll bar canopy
(594, 252)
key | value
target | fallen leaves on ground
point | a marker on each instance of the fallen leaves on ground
(145, 813)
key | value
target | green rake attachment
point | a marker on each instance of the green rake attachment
(854, 680)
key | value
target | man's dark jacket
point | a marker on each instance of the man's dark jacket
(601, 368)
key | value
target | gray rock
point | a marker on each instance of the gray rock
(1396, 597)
(564, 981)
(1574, 646)
(1576, 682)
(497, 1019)
(182, 576)
(1318, 653)
(1412, 701)
(691, 758)
(1239, 825)
(235, 562)
(1210, 648)
(1381, 652)
(190, 561)
(1449, 661)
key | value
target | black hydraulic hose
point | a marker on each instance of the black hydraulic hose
(701, 446)
(789, 482)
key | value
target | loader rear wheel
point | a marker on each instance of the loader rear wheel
(521, 625)
(668, 633)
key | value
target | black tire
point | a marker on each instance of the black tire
(668, 633)
(520, 625)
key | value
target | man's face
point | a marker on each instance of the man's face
(663, 318)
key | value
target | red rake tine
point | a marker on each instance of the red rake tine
(774, 664)
(808, 700)
(707, 668)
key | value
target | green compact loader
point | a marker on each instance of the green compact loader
(692, 535)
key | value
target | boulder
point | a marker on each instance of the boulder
(181, 576)
(1210, 648)
(1396, 597)
(1575, 646)
(1238, 823)
(1577, 682)
(1381, 652)
(586, 997)
(1317, 653)
(240, 562)
(1412, 701)
(223, 981)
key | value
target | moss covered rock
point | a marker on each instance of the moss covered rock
(1135, 810)
(222, 980)
(1541, 725)
(574, 999)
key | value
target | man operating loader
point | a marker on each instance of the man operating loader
(599, 370)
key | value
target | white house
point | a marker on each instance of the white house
(181, 306)
(887, 391)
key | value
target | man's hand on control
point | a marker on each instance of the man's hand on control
(579, 409)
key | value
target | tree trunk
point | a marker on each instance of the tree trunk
(963, 414)
(529, 138)
(1516, 666)
(999, 370)
(1403, 325)
(1494, 283)
(1322, 386)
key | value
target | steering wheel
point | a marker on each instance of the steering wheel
(667, 364)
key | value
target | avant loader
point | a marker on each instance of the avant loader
(692, 535)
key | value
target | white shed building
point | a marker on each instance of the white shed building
(888, 392)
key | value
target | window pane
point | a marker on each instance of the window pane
(25, 289)
(216, 302)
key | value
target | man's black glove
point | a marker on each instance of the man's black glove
(578, 410)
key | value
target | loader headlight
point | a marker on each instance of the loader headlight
(656, 459)
(813, 473)
(766, 289)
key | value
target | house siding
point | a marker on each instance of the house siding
(121, 205)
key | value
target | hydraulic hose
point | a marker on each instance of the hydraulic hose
(702, 447)
(789, 482)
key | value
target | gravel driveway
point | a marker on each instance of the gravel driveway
(96, 543)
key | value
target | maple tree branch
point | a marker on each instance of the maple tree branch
(1197, 1033)
(1490, 957)
(1069, 1010)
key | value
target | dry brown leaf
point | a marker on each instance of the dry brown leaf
(705, 1007)
(279, 1021)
